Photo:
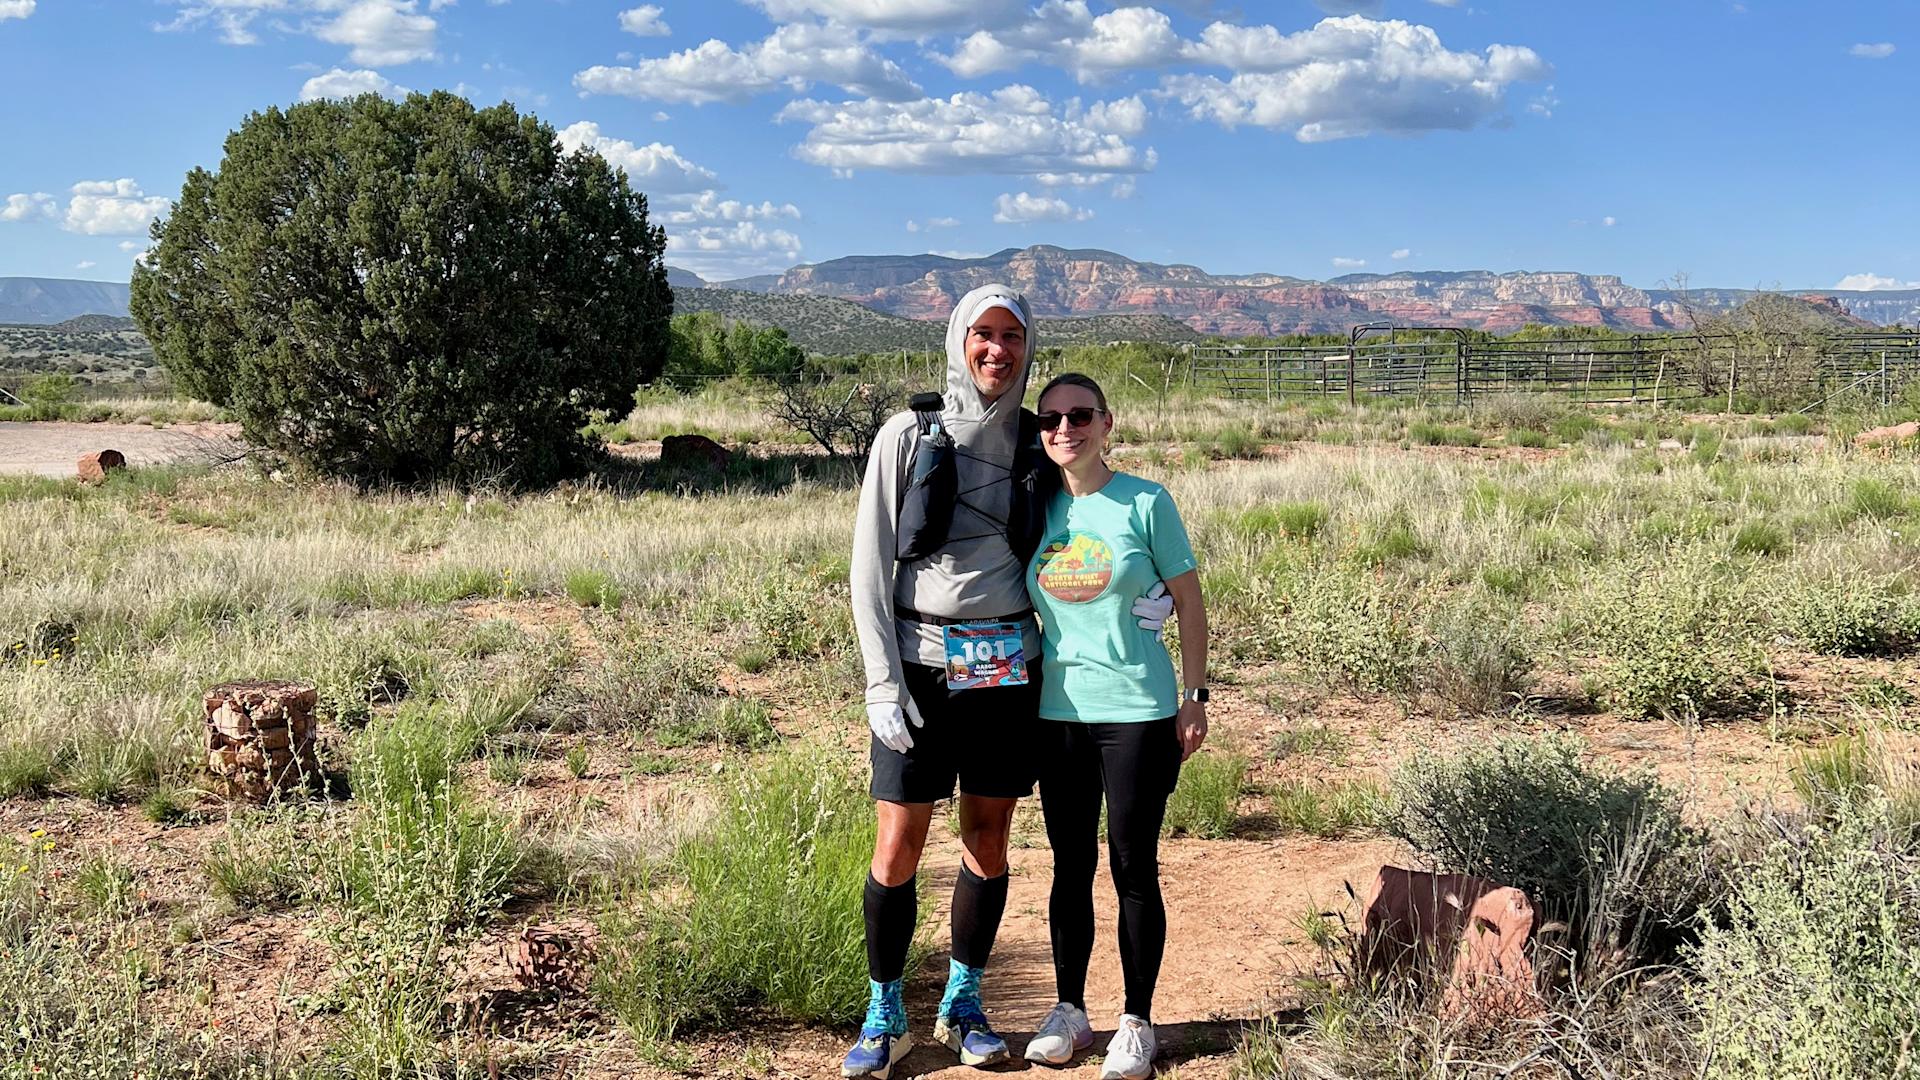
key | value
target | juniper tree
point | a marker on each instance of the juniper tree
(408, 291)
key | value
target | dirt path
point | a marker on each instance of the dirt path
(51, 448)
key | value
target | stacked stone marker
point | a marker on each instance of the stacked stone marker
(260, 736)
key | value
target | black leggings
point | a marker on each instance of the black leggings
(1135, 766)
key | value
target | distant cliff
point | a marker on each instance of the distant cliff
(1071, 282)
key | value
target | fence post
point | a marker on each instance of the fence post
(1352, 398)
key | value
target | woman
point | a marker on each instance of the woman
(1118, 725)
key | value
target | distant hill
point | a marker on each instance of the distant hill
(684, 279)
(823, 324)
(1085, 281)
(43, 301)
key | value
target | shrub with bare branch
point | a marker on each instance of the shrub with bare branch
(841, 414)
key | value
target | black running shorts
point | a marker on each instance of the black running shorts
(987, 739)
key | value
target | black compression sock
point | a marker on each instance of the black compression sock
(891, 911)
(978, 904)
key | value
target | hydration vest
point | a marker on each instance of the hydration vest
(925, 518)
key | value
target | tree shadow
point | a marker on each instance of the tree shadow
(743, 474)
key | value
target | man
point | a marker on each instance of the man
(939, 588)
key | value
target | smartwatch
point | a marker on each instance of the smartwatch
(1197, 694)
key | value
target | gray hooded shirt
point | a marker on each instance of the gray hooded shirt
(976, 575)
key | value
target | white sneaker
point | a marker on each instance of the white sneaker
(1130, 1054)
(1064, 1032)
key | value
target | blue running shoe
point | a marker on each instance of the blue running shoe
(962, 1025)
(883, 1035)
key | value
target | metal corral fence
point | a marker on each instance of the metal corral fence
(1446, 363)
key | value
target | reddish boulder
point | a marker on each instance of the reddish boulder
(1888, 436)
(94, 467)
(692, 452)
(1467, 930)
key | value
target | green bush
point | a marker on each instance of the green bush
(1815, 974)
(761, 910)
(1850, 616)
(1355, 627)
(479, 305)
(48, 396)
(1529, 812)
(1206, 801)
(1674, 636)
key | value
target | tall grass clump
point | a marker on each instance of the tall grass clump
(1855, 772)
(1324, 809)
(1576, 837)
(1479, 659)
(413, 876)
(1206, 801)
(1674, 634)
(1815, 972)
(759, 910)
(69, 1019)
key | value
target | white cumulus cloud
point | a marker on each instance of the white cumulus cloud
(28, 206)
(708, 206)
(15, 9)
(1067, 34)
(717, 252)
(933, 223)
(1609, 221)
(382, 32)
(341, 83)
(644, 21)
(1878, 50)
(1013, 131)
(907, 16)
(1023, 208)
(1349, 77)
(111, 208)
(1343, 263)
(1402, 253)
(1873, 283)
(792, 57)
(85, 264)
(656, 168)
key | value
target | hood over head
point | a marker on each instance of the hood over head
(963, 398)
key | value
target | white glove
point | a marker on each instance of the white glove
(1152, 609)
(890, 727)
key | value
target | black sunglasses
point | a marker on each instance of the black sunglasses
(1076, 417)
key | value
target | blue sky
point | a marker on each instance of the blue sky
(1751, 143)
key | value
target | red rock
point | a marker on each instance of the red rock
(692, 451)
(1472, 929)
(1887, 436)
(94, 467)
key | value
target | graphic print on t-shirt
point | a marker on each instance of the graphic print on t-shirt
(1075, 568)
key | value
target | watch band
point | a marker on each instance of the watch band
(1195, 694)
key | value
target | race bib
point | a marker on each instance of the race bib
(984, 654)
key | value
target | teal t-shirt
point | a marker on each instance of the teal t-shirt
(1101, 553)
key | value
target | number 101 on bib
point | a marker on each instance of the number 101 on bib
(980, 655)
